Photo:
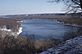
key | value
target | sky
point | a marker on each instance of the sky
(29, 7)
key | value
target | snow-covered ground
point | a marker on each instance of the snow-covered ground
(10, 32)
(72, 46)
(20, 30)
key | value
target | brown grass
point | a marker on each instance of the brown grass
(22, 45)
(72, 20)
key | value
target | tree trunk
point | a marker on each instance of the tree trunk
(81, 4)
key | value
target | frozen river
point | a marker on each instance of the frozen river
(45, 28)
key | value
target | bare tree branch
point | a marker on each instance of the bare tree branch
(76, 2)
(75, 5)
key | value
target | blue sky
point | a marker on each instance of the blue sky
(29, 7)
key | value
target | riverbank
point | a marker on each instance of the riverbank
(77, 22)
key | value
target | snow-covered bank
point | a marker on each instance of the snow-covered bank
(72, 46)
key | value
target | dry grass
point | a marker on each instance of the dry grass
(41, 45)
(72, 20)
(77, 21)
(22, 45)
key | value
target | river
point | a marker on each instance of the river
(45, 28)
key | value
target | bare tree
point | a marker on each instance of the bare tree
(72, 5)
